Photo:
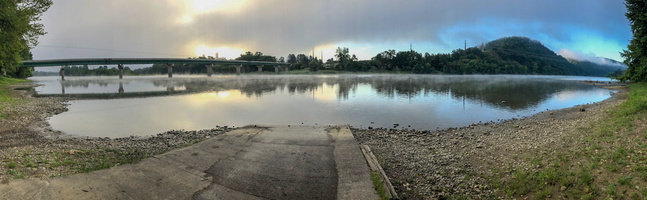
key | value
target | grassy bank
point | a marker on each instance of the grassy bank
(607, 159)
(5, 96)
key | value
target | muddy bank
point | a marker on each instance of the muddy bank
(453, 162)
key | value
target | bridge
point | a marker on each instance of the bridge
(170, 62)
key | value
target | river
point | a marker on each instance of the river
(147, 105)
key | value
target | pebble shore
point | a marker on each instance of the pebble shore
(452, 162)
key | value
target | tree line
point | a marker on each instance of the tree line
(19, 32)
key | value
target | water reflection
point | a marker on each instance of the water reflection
(115, 108)
(506, 92)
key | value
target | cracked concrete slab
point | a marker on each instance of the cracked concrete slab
(275, 162)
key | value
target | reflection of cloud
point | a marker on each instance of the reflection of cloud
(208, 98)
(326, 92)
(224, 94)
(566, 95)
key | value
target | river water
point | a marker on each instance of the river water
(141, 106)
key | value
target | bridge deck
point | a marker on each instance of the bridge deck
(131, 61)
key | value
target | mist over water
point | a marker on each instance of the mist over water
(149, 105)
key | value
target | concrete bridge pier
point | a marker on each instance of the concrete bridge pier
(170, 70)
(238, 69)
(121, 71)
(121, 88)
(62, 72)
(62, 88)
(276, 69)
(209, 70)
(260, 68)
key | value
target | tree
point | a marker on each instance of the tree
(19, 32)
(292, 59)
(343, 56)
(636, 53)
(258, 56)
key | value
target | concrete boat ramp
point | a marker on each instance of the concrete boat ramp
(277, 162)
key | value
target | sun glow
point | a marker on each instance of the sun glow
(204, 6)
(223, 52)
(198, 7)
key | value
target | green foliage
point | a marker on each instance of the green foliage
(510, 55)
(258, 56)
(19, 32)
(343, 56)
(636, 53)
(4, 95)
(379, 186)
(101, 71)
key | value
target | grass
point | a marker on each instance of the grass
(379, 186)
(609, 161)
(5, 97)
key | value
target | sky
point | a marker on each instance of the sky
(582, 29)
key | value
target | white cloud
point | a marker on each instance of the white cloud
(171, 28)
(568, 54)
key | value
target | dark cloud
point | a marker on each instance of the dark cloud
(122, 28)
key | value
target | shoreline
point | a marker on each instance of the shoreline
(420, 163)
(453, 162)
(30, 148)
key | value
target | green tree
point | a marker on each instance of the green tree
(19, 31)
(343, 56)
(258, 56)
(636, 53)
(292, 59)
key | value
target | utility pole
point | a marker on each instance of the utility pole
(465, 48)
(411, 47)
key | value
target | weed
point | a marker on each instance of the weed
(626, 180)
(586, 177)
(611, 190)
(379, 186)
(12, 165)
(17, 174)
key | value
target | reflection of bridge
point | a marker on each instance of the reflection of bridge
(120, 62)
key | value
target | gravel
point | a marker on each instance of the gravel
(453, 162)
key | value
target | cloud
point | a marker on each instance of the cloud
(568, 54)
(168, 28)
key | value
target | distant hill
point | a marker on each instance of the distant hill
(531, 54)
(541, 60)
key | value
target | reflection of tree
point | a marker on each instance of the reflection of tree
(509, 92)
(85, 83)
(504, 92)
